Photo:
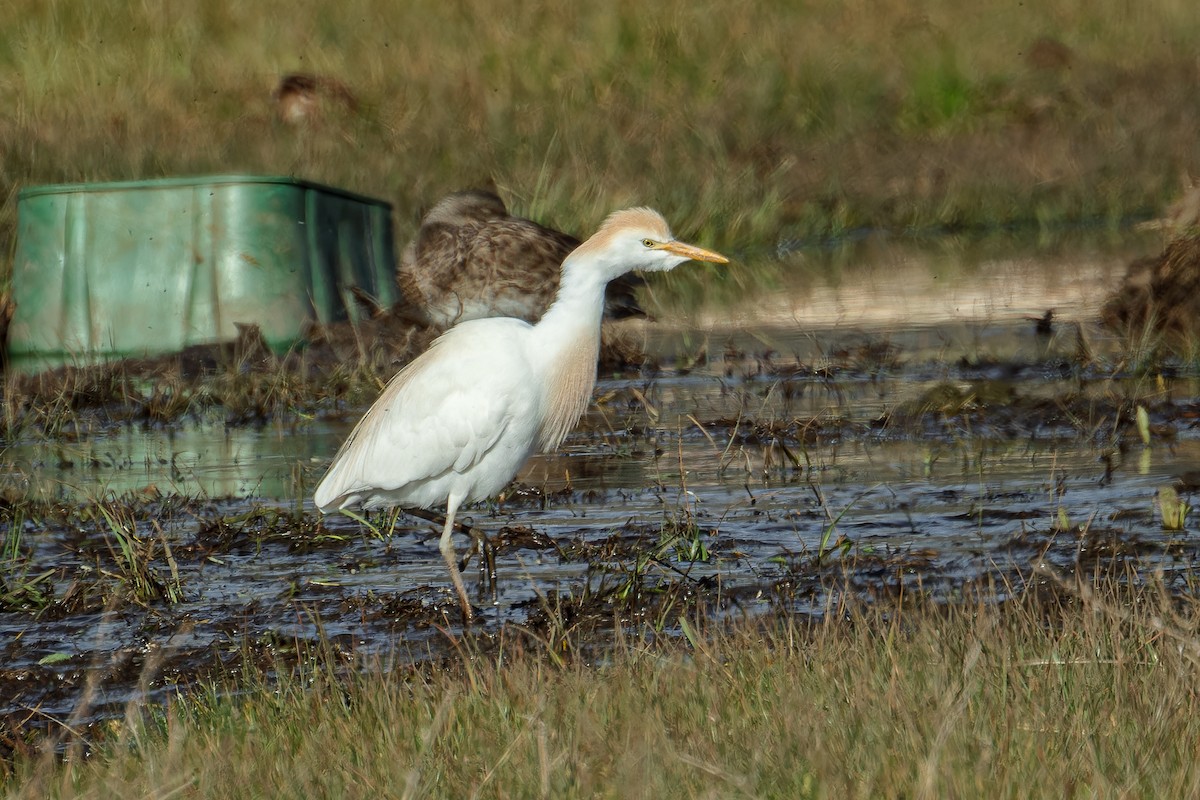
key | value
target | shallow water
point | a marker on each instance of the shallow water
(904, 408)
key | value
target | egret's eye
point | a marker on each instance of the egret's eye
(648, 242)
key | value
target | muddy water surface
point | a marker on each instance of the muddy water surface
(896, 425)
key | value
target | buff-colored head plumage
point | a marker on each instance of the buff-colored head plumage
(635, 239)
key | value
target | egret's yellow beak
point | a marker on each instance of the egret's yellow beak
(694, 253)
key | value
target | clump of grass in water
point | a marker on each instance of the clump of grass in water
(19, 589)
(1172, 509)
(134, 555)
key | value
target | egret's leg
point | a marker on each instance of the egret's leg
(447, 547)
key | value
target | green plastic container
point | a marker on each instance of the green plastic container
(111, 270)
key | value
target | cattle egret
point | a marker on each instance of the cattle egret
(472, 259)
(455, 425)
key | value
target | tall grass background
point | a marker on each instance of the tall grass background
(745, 122)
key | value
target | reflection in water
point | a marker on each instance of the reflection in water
(195, 460)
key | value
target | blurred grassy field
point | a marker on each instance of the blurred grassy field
(745, 123)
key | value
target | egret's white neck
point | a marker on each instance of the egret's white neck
(578, 305)
(565, 345)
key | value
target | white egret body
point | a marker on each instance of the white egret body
(456, 424)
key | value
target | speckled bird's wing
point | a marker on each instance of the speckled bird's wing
(443, 413)
(431, 270)
(412, 292)
(517, 264)
(469, 262)
(441, 252)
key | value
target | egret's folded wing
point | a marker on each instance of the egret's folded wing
(442, 412)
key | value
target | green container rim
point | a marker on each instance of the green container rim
(193, 181)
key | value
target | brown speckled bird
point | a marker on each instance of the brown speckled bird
(471, 259)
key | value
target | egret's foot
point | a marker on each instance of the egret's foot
(466, 559)
(468, 611)
(487, 564)
(480, 543)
